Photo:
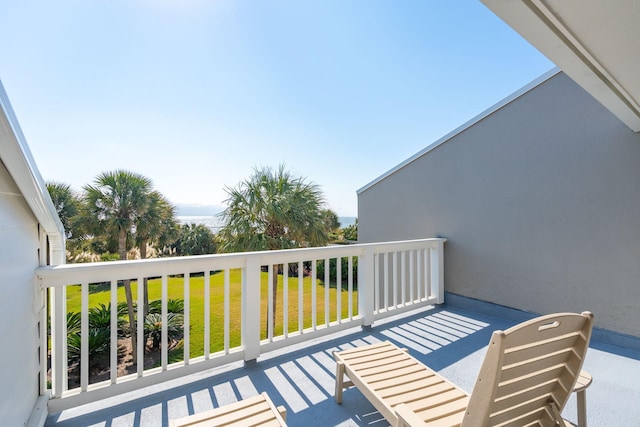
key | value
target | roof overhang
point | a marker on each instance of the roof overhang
(17, 158)
(595, 42)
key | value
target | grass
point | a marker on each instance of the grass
(101, 294)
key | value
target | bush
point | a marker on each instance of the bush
(173, 306)
(100, 317)
(99, 334)
(153, 328)
(195, 239)
(108, 256)
(344, 271)
(99, 345)
(350, 233)
(73, 322)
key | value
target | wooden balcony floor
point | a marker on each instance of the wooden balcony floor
(450, 339)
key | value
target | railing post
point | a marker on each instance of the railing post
(437, 270)
(58, 340)
(251, 309)
(44, 340)
(366, 291)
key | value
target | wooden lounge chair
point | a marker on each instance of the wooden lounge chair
(254, 411)
(527, 376)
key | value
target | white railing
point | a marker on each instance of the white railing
(390, 277)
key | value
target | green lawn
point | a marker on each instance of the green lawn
(101, 294)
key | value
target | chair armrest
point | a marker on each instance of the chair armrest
(408, 418)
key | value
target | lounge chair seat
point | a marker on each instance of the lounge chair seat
(527, 376)
(254, 411)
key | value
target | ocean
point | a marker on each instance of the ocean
(214, 224)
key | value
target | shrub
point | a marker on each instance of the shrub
(73, 322)
(153, 328)
(108, 256)
(350, 232)
(344, 271)
(99, 345)
(100, 317)
(173, 306)
(99, 337)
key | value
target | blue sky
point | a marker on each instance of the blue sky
(196, 93)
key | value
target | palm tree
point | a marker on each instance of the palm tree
(272, 210)
(169, 229)
(115, 204)
(66, 202)
(149, 226)
(68, 205)
(195, 239)
(332, 222)
(152, 222)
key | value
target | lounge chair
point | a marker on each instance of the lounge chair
(254, 411)
(527, 376)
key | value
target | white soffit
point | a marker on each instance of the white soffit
(595, 42)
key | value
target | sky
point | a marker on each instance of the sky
(196, 94)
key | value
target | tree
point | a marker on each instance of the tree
(68, 205)
(116, 202)
(350, 232)
(155, 222)
(272, 210)
(331, 219)
(164, 242)
(150, 226)
(332, 222)
(195, 239)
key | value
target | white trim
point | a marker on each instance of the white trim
(546, 76)
(39, 412)
(17, 158)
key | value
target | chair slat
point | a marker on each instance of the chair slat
(382, 365)
(406, 369)
(420, 391)
(254, 411)
(456, 404)
(545, 377)
(519, 354)
(554, 361)
(512, 415)
(543, 390)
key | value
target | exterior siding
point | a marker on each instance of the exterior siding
(19, 366)
(540, 204)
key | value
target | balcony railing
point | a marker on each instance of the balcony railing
(314, 298)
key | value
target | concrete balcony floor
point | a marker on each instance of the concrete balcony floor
(450, 339)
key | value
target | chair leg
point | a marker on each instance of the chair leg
(282, 411)
(339, 381)
(581, 398)
(582, 383)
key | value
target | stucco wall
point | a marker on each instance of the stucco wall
(18, 316)
(540, 202)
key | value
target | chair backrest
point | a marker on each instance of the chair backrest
(529, 371)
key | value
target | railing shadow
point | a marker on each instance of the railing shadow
(301, 378)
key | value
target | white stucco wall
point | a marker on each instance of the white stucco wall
(19, 368)
(539, 201)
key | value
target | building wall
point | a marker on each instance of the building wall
(18, 304)
(540, 202)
